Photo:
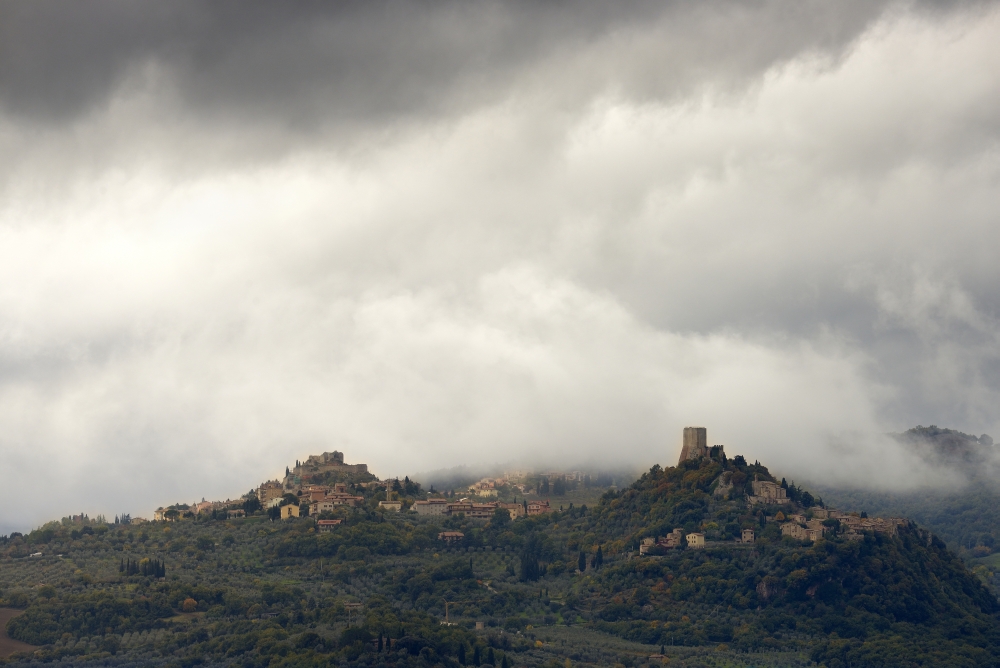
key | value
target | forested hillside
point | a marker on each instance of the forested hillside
(560, 586)
(965, 516)
(904, 600)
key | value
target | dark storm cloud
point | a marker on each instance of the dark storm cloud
(463, 233)
(302, 63)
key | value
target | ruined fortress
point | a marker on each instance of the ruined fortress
(695, 446)
(329, 461)
(317, 467)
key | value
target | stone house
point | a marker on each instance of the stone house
(696, 541)
(539, 508)
(669, 542)
(795, 530)
(766, 492)
(431, 507)
(516, 510)
(272, 489)
(324, 526)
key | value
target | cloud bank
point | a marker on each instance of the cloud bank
(431, 236)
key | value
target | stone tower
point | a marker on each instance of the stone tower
(695, 444)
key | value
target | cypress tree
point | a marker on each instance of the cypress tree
(461, 653)
(529, 559)
(581, 563)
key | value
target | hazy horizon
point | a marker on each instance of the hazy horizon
(436, 234)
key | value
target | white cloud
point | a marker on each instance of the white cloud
(574, 270)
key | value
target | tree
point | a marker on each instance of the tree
(461, 653)
(599, 557)
(251, 504)
(581, 563)
(500, 519)
(530, 554)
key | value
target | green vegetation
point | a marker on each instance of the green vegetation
(568, 585)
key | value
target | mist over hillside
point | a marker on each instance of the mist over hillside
(960, 502)
(973, 456)
(457, 477)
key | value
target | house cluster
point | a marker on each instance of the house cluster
(798, 527)
(694, 540)
(853, 526)
(487, 487)
(479, 511)
(319, 498)
(179, 511)
(518, 480)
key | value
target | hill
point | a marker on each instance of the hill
(881, 600)
(601, 585)
(973, 456)
(966, 517)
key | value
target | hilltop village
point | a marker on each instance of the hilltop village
(798, 518)
(323, 487)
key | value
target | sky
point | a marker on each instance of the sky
(233, 234)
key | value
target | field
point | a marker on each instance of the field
(8, 645)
